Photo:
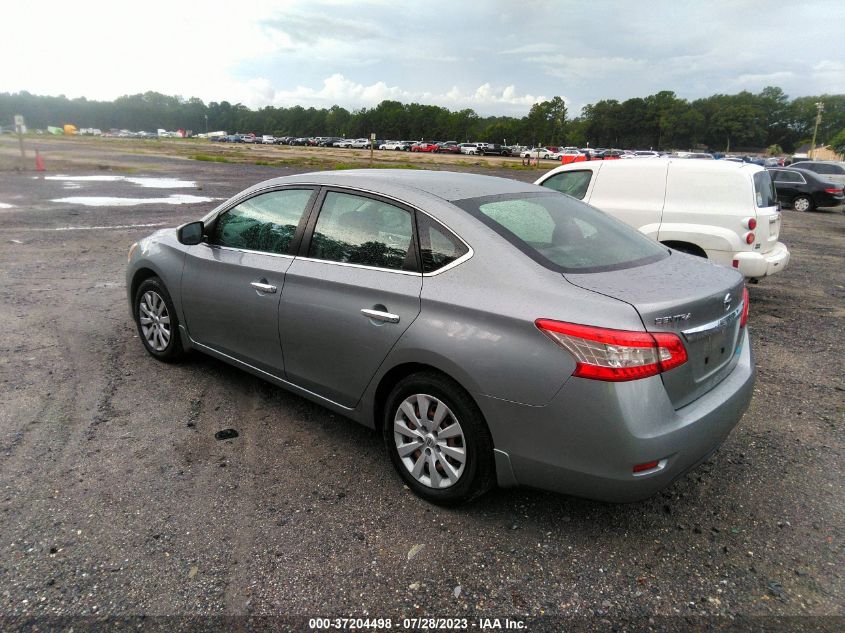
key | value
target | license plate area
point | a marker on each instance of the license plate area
(711, 347)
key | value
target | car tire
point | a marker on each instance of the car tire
(803, 204)
(438, 447)
(156, 320)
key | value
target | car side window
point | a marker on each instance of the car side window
(266, 222)
(439, 247)
(572, 183)
(789, 176)
(358, 230)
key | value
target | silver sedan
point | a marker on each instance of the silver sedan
(494, 332)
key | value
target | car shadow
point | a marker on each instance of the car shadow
(511, 509)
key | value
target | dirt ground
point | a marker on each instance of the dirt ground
(117, 500)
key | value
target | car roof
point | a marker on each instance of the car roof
(678, 164)
(408, 184)
(804, 172)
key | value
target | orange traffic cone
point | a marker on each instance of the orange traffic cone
(39, 162)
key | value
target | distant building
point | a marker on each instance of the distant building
(821, 152)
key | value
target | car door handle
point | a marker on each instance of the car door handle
(379, 315)
(263, 287)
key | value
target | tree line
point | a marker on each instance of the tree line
(740, 122)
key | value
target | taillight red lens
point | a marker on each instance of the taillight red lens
(744, 318)
(615, 355)
(640, 468)
(833, 190)
(749, 238)
(751, 223)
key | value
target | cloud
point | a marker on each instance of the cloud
(530, 48)
(567, 66)
(764, 79)
(295, 28)
(831, 75)
(337, 89)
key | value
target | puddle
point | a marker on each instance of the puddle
(3, 205)
(150, 183)
(87, 228)
(105, 201)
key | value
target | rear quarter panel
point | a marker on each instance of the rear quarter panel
(477, 324)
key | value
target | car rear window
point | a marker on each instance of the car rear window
(564, 234)
(764, 189)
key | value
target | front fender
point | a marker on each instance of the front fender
(164, 256)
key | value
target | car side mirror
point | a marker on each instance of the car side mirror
(190, 234)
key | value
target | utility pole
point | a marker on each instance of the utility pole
(206, 125)
(820, 109)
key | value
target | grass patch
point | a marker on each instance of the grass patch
(515, 166)
(210, 159)
(375, 166)
(329, 164)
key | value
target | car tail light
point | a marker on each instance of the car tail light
(744, 318)
(735, 263)
(749, 237)
(751, 223)
(833, 190)
(640, 468)
(615, 355)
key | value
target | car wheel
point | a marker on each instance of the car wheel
(158, 326)
(437, 439)
(802, 203)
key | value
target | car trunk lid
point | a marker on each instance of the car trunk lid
(688, 296)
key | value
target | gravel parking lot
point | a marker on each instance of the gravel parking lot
(117, 500)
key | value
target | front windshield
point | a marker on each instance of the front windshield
(564, 234)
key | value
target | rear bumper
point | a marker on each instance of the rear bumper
(824, 199)
(752, 264)
(586, 441)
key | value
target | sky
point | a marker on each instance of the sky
(495, 56)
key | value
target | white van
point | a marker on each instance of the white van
(725, 211)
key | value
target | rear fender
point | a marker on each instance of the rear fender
(707, 237)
